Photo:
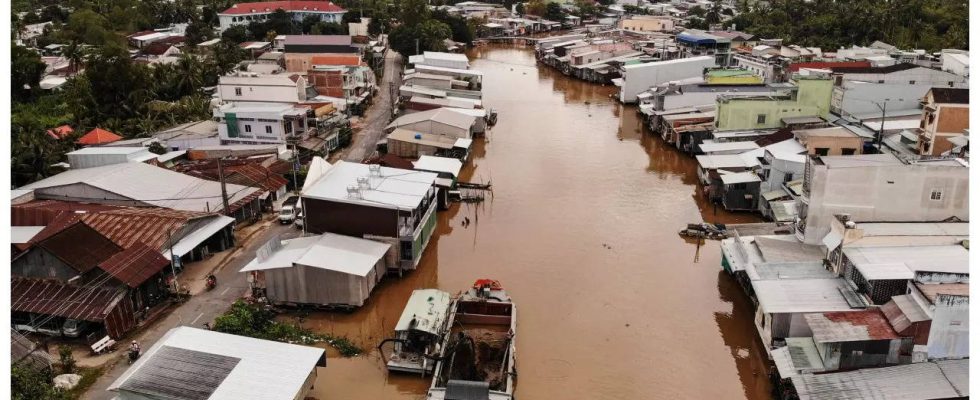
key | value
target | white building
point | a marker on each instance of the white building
(252, 87)
(438, 59)
(637, 78)
(880, 188)
(190, 135)
(246, 13)
(956, 61)
(98, 156)
(260, 123)
(324, 270)
(201, 364)
(455, 123)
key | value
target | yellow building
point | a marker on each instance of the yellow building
(732, 76)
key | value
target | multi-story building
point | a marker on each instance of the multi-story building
(261, 123)
(389, 205)
(945, 115)
(880, 188)
(252, 87)
(810, 97)
(301, 50)
(693, 43)
(246, 13)
(638, 78)
(647, 23)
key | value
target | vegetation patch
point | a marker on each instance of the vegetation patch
(256, 321)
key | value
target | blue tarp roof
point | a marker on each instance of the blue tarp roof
(700, 37)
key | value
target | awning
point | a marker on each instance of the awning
(832, 240)
(189, 242)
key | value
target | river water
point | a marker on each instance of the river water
(581, 229)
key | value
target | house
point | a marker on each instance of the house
(882, 272)
(60, 132)
(373, 202)
(90, 157)
(97, 137)
(440, 121)
(732, 76)
(204, 364)
(857, 339)
(251, 87)
(929, 380)
(945, 115)
(474, 77)
(260, 123)
(49, 305)
(421, 103)
(646, 23)
(300, 50)
(241, 172)
(438, 59)
(784, 303)
(24, 353)
(410, 144)
(892, 190)
(740, 191)
(143, 185)
(298, 10)
(448, 170)
(189, 135)
(833, 141)
(637, 78)
(948, 306)
(955, 61)
(811, 97)
(65, 255)
(355, 84)
(695, 43)
(326, 270)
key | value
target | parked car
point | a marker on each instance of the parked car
(287, 215)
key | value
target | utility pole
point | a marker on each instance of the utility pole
(173, 260)
(295, 166)
(881, 128)
(416, 47)
(224, 190)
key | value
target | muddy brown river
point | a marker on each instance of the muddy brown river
(581, 229)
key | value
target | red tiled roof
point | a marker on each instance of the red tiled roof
(60, 132)
(829, 65)
(338, 59)
(134, 265)
(271, 6)
(49, 297)
(78, 245)
(99, 136)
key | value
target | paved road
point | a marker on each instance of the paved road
(379, 114)
(200, 308)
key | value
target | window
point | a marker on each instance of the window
(911, 82)
(760, 119)
(248, 128)
(268, 129)
(847, 152)
(937, 195)
(822, 151)
(238, 91)
(950, 83)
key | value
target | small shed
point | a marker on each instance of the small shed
(740, 191)
(328, 270)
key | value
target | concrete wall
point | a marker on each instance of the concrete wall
(892, 193)
(834, 145)
(39, 263)
(812, 98)
(855, 98)
(639, 78)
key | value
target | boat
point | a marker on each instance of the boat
(419, 332)
(478, 353)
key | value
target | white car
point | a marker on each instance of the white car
(287, 215)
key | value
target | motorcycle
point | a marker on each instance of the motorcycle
(210, 282)
(133, 355)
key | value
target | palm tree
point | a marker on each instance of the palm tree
(75, 54)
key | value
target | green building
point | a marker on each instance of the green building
(810, 97)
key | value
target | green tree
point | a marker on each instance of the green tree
(198, 31)
(235, 34)
(461, 30)
(536, 7)
(26, 71)
(67, 359)
(29, 384)
(413, 12)
(520, 9)
(87, 26)
(75, 54)
(157, 148)
(553, 12)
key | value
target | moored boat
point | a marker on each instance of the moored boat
(478, 358)
(419, 332)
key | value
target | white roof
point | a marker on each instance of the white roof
(915, 228)
(265, 370)
(428, 307)
(439, 164)
(109, 150)
(209, 42)
(328, 251)
(689, 60)
(52, 81)
(436, 55)
(800, 295)
(188, 243)
(447, 116)
(892, 125)
(716, 161)
(789, 150)
(394, 188)
(148, 184)
(23, 234)
(740, 177)
(728, 146)
(451, 70)
(170, 155)
(886, 262)
(264, 80)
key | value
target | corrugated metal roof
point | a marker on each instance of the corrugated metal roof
(428, 308)
(885, 262)
(266, 370)
(134, 265)
(51, 297)
(446, 116)
(44, 212)
(79, 246)
(903, 311)
(180, 374)
(394, 188)
(328, 251)
(904, 382)
(776, 249)
(439, 164)
(155, 227)
(801, 295)
(467, 390)
(957, 372)
(784, 211)
(740, 177)
(932, 290)
(799, 355)
(851, 326)
(789, 270)
(915, 228)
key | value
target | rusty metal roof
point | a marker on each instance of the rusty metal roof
(850, 326)
(79, 245)
(49, 297)
(150, 226)
(134, 265)
(933, 290)
(43, 212)
(903, 311)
